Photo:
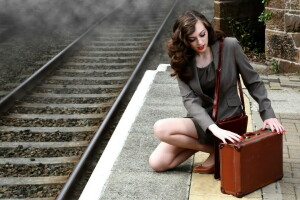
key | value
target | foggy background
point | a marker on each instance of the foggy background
(53, 13)
(60, 14)
(31, 29)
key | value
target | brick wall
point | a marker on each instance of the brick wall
(283, 34)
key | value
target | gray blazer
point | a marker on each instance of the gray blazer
(234, 62)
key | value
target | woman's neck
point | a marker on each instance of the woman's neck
(203, 59)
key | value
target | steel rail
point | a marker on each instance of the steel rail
(72, 179)
(9, 100)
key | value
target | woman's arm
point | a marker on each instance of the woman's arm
(193, 105)
(257, 89)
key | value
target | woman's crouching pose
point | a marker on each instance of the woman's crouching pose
(193, 50)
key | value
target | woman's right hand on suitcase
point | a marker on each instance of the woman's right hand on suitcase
(224, 135)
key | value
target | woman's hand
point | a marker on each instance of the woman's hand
(274, 125)
(223, 134)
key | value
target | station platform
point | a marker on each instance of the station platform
(123, 173)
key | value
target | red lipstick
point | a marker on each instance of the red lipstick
(201, 47)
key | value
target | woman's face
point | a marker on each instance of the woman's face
(199, 39)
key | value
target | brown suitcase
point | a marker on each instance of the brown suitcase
(252, 163)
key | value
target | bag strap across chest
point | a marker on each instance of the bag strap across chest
(217, 87)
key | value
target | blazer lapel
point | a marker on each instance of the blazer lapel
(195, 83)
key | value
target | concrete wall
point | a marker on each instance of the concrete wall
(283, 34)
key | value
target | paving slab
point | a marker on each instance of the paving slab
(285, 102)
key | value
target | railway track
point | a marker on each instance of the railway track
(44, 134)
(20, 57)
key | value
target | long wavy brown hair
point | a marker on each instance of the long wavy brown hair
(179, 49)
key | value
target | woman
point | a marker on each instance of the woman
(193, 50)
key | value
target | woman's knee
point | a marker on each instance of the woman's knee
(156, 165)
(161, 128)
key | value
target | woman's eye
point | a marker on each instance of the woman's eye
(191, 40)
(202, 35)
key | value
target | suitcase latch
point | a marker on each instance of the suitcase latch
(238, 147)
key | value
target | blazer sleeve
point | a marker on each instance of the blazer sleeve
(253, 82)
(193, 103)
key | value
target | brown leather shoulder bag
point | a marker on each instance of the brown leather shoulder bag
(236, 123)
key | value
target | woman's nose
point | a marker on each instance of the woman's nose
(199, 41)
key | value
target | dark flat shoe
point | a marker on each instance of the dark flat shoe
(204, 170)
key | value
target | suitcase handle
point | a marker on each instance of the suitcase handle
(246, 136)
(249, 134)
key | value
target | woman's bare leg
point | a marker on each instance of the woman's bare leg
(179, 142)
(167, 156)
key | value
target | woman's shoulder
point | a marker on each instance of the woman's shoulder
(230, 41)
(230, 44)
